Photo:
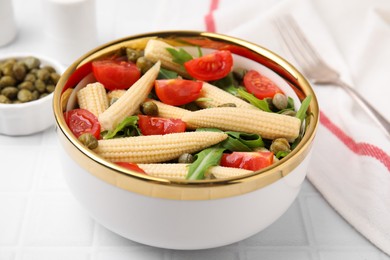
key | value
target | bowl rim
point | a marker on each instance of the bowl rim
(47, 60)
(185, 189)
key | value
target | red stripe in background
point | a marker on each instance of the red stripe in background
(209, 18)
(364, 149)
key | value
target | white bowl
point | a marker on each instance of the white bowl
(185, 214)
(30, 117)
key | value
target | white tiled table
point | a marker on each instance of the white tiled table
(41, 220)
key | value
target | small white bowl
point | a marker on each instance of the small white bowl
(30, 117)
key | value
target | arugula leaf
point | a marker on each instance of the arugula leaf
(250, 140)
(167, 74)
(200, 53)
(301, 113)
(204, 160)
(179, 56)
(227, 81)
(281, 154)
(261, 104)
(128, 127)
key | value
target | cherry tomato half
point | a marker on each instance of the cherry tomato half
(115, 74)
(80, 73)
(177, 92)
(82, 121)
(160, 126)
(253, 161)
(212, 66)
(259, 85)
(130, 166)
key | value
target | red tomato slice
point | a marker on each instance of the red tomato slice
(177, 92)
(160, 126)
(259, 85)
(212, 66)
(82, 121)
(115, 74)
(130, 166)
(78, 75)
(253, 161)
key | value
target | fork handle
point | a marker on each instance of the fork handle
(384, 123)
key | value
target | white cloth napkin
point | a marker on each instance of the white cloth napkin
(351, 163)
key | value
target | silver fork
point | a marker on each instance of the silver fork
(315, 68)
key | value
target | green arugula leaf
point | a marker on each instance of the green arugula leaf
(204, 160)
(167, 74)
(261, 104)
(200, 53)
(250, 140)
(179, 56)
(128, 127)
(281, 154)
(301, 113)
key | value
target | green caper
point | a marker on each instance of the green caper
(89, 140)
(149, 108)
(144, 64)
(25, 95)
(186, 158)
(10, 92)
(4, 100)
(112, 100)
(19, 70)
(35, 94)
(289, 113)
(132, 54)
(43, 75)
(16, 102)
(43, 95)
(31, 62)
(6, 81)
(26, 85)
(49, 68)
(280, 101)
(50, 88)
(280, 145)
(40, 85)
(55, 77)
(228, 105)
(30, 77)
(239, 74)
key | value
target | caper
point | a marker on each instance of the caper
(25, 95)
(112, 100)
(50, 88)
(239, 74)
(228, 105)
(280, 101)
(43, 95)
(35, 94)
(132, 54)
(40, 85)
(289, 113)
(49, 68)
(186, 158)
(144, 64)
(280, 145)
(30, 77)
(4, 100)
(31, 62)
(149, 108)
(19, 70)
(89, 140)
(16, 102)
(10, 92)
(6, 81)
(26, 85)
(43, 75)
(55, 77)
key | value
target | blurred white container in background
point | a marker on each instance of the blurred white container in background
(8, 27)
(70, 28)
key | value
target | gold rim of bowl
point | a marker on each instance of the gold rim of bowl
(184, 189)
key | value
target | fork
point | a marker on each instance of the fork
(316, 69)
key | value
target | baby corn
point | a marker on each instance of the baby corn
(168, 111)
(156, 148)
(157, 50)
(216, 97)
(180, 170)
(93, 98)
(267, 125)
(129, 102)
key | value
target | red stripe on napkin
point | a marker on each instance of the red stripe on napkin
(209, 18)
(364, 149)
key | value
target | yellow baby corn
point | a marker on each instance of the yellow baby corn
(267, 125)
(93, 98)
(157, 50)
(127, 104)
(156, 148)
(216, 97)
(168, 111)
(180, 170)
